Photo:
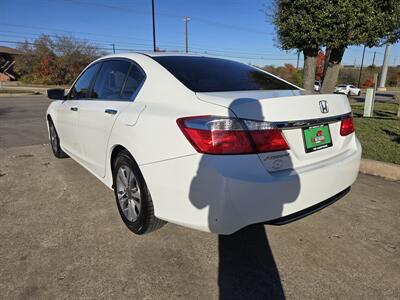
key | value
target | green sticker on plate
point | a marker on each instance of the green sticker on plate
(317, 137)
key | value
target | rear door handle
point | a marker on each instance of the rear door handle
(73, 108)
(111, 111)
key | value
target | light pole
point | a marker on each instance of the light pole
(362, 62)
(186, 19)
(154, 26)
(373, 59)
(386, 58)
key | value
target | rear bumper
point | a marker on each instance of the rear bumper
(310, 210)
(223, 194)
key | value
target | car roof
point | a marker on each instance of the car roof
(156, 54)
(149, 54)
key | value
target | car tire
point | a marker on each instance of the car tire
(55, 142)
(133, 198)
(359, 93)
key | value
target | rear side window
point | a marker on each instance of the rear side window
(80, 90)
(206, 74)
(110, 80)
(133, 81)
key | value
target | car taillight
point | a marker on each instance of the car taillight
(347, 126)
(221, 135)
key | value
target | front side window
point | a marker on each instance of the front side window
(206, 74)
(110, 80)
(80, 90)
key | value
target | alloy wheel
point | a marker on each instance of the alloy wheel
(53, 138)
(128, 193)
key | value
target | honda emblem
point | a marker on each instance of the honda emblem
(323, 106)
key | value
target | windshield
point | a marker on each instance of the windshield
(206, 74)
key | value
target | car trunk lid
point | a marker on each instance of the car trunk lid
(294, 111)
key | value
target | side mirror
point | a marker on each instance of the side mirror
(56, 94)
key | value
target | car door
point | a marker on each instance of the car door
(68, 111)
(114, 90)
(353, 90)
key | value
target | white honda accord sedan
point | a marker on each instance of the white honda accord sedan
(204, 142)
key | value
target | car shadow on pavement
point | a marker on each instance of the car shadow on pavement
(247, 269)
(236, 189)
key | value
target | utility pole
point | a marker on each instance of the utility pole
(386, 58)
(373, 59)
(362, 63)
(113, 47)
(154, 26)
(186, 19)
(298, 59)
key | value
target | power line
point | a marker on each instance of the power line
(167, 43)
(70, 31)
(246, 57)
(142, 12)
(96, 47)
(146, 50)
(36, 35)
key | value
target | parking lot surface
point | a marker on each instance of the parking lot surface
(22, 120)
(62, 238)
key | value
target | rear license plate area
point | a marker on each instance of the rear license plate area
(317, 137)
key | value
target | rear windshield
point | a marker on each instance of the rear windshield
(206, 74)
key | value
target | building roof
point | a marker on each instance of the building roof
(8, 50)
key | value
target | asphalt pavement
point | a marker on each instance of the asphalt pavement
(22, 120)
(62, 238)
(380, 97)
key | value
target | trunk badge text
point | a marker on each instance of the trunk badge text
(323, 106)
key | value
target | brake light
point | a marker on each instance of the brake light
(347, 126)
(220, 135)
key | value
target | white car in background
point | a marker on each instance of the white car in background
(317, 85)
(207, 143)
(348, 90)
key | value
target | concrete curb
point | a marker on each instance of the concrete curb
(21, 94)
(28, 89)
(378, 168)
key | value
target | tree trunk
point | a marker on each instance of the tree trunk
(326, 61)
(310, 63)
(332, 72)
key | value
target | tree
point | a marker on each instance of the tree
(37, 62)
(295, 22)
(308, 25)
(319, 72)
(354, 22)
(54, 61)
(287, 72)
